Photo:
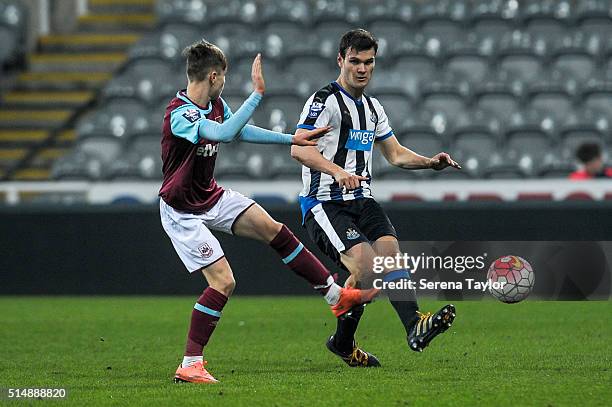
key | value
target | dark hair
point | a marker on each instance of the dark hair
(202, 57)
(359, 40)
(588, 152)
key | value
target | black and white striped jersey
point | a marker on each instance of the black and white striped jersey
(357, 124)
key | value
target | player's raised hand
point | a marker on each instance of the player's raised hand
(348, 181)
(442, 160)
(259, 85)
(308, 138)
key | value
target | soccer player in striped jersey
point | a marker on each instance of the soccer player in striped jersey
(192, 203)
(338, 209)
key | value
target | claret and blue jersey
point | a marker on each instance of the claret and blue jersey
(191, 134)
(188, 158)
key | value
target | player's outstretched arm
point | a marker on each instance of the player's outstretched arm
(258, 135)
(402, 157)
(227, 131)
(233, 123)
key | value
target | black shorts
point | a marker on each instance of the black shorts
(336, 226)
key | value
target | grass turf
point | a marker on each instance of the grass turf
(270, 351)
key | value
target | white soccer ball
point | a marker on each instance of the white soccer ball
(517, 277)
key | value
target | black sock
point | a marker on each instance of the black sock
(407, 312)
(346, 328)
(403, 300)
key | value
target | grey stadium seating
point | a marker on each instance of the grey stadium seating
(13, 26)
(508, 87)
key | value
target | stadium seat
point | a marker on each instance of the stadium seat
(472, 164)
(493, 18)
(278, 42)
(280, 112)
(553, 92)
(597, 93)
(556, 171)
(234, 102)
(606, 55)
(416, 59)
(443, 19)
(293, 12)
(576, 53)
(238, 78)
(392, 82)
(585, 122)
(246, 12)
(147, 80)
(378, 14)
(89, 160)
(593, 17)
(239, 160)
(448, 94)
(311, 73)
(474, 142)
(9, 45)
(237, 40)
(333, 12)
(546, 18)
(175, 37)
(530, 139)
(167, 44)
(424, 123)
(469, 57)
(500, 93)
(121, 118)
(282, 165)
(392, 31)
(528, 150)
(327, 36)
(500, 167)
(475, 127)
(391, 22)
(397, 106)
(521, 53)
(423, 143)
(181, 11)
(13, 28)
(142, 160)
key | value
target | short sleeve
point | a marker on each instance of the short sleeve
(383, 128)
(185, 122)
(315, 114)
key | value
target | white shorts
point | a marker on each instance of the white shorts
(190, 233)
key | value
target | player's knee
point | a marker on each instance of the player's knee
(227, 285)
(271, 230)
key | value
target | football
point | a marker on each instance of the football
(516, 275)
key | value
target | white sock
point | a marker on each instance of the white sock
(190, 360)
(333, 294)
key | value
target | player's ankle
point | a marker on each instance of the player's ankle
(191, 360)
(333, 294)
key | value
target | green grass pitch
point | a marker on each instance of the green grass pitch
(270, 351)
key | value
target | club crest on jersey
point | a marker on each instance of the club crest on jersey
(193, 115)
(374, 117)
(315, 110)
(352, 234)
(205, 250)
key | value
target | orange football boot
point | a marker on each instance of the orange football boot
(350, 297)
(194, 374)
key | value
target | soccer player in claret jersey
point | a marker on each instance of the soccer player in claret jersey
(192, 203)
(338, 209)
